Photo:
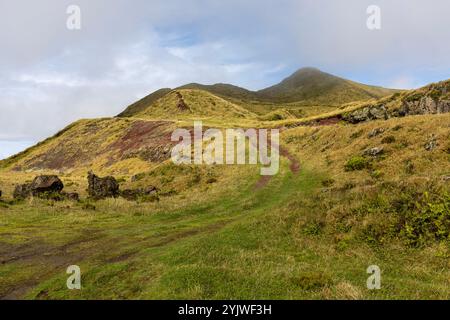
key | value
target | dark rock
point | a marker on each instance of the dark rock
(0, 193)
(375, 132)
(100, 188)
(40, 187)
(423, 105)
(22, 191)
(374, 152)
(46, 184)
(372, 112)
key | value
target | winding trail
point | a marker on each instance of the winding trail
(294, 167)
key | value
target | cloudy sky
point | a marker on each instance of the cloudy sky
(51, 76)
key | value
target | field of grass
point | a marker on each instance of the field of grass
(220, 233)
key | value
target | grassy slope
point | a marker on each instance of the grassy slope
(313, 87)
(305, 93)
(238, 242)
(143, 103)
(197, 105)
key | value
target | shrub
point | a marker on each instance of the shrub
(313, 228)
(429, 220)
(375, 234)
(357, 163)
(376, 174)
(413, 97)
(51, 195)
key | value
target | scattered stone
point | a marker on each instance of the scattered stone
(374, 152)
(22, 191)
(431, 143)
(99, 188)
(375, 132)
(134, 194)
(446, 178)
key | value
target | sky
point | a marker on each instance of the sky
(51, 76)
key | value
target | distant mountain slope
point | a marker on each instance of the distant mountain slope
(188, 104)
(316, 87)
(307, 87)
(143, 103)
(224, 90)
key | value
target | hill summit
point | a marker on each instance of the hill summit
(305, 87)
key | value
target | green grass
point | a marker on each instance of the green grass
(246, 244)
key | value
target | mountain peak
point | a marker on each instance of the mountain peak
(306, 74)
(308, 70)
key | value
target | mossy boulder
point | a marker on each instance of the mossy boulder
(99, 188)
(41, 185)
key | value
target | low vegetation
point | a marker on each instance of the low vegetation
(367, 193)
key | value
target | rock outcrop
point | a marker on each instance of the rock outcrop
(424, 105)
(181, 105)
(372, 112)
(99, 188)
(41, 185)
(431, 99)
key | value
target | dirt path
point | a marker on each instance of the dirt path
(58, 258)
(294, 167)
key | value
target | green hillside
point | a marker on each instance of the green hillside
(143, 103)
(193, 104)
(307, 92)
(361, 183)
(314, 87)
